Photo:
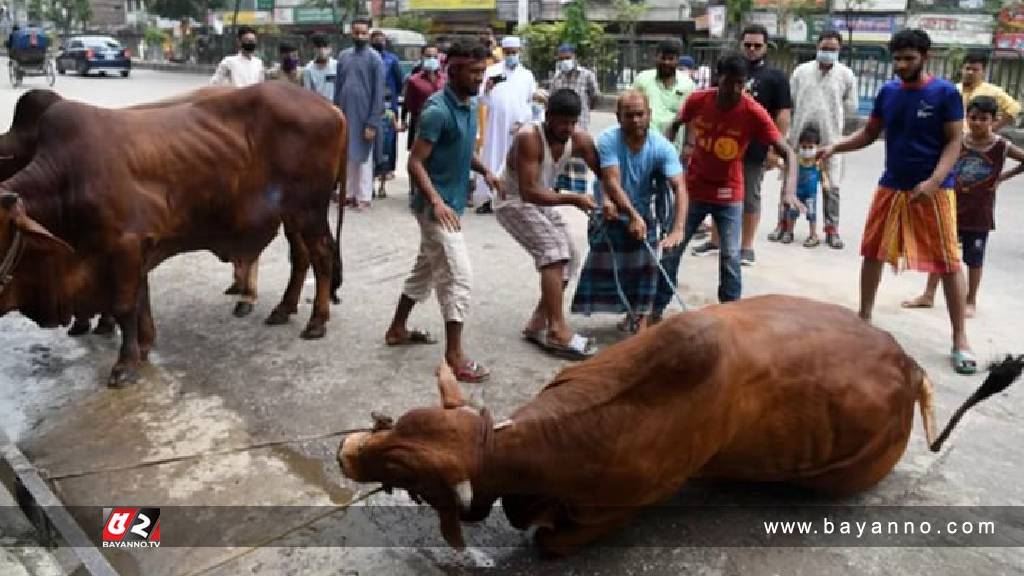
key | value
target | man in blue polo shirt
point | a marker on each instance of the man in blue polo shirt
(439, 164)
(912, 221)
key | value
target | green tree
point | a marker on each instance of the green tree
(593, 46)
(408, 21)
(734, 11)
(64, 13)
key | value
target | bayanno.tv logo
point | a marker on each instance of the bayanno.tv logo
(131, 527)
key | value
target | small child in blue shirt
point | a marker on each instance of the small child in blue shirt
(812, 177)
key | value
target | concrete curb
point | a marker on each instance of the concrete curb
(23, 484)
(203, 69)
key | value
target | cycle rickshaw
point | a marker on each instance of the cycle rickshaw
(27, 55)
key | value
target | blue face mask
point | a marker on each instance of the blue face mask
(512, 60)
(827, 58)
(431, 64)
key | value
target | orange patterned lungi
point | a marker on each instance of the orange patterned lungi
(919, 234)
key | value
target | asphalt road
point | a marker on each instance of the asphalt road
(233, 413)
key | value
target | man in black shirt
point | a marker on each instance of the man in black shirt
(770, 87)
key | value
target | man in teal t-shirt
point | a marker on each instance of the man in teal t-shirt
(439, 165)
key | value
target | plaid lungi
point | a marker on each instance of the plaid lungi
(638, 274)
(541, 231)
(573, 177)
(919, 234)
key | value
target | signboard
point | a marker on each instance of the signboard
(245, 17)
(265, 5)
(1012, 17)
(774, 4)
(966, 29)
(311, 15)
(770, 20)
(869, 6)
(716, 21)
(1010, 41)
(440, 5)
(284, 15)
(866, 28)
(796, 30)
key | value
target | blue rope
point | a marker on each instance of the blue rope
(598, 230)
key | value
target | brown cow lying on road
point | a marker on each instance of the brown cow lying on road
(81, 225)
(773, 388)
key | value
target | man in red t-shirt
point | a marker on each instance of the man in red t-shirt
(721, 123)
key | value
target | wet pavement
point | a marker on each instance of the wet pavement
(234, 413)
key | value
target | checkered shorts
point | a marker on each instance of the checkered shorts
(541, 231)
(574, 177)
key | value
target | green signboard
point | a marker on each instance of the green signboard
(267, 5)
(310, 15)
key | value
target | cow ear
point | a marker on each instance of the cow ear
(448, 387)
(34, 229)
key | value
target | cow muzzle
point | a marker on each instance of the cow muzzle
(348, 454)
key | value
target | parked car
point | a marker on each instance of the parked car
(102, 54)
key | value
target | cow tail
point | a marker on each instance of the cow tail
(925, 401)
(1000, 376)
(341, 182)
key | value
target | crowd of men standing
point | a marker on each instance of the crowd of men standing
(689, 146)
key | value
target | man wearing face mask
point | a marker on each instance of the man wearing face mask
(359, 92)
(288, 68)
(244, 68)
(319, 74)
(569, 74)
(824, 91)
(507, 92)
(386, 145)
(420, 86)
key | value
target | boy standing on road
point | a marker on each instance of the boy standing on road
(979, 171)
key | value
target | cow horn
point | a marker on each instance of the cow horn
(464, 495)
(8, 199)
(448, 387)
(382, 421)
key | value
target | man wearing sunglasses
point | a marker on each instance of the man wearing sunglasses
(770, 88)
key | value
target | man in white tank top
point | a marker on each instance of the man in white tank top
(525, 208)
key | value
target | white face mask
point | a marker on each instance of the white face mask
(566, 65)
(808, 153)
(827, 58)
(431, 64)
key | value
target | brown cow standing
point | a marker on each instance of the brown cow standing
(773, 388)
(83, 224)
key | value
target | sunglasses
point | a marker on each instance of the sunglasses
(752, 46)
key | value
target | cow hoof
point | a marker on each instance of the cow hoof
(277, 317)
(314, 331)
(233, 290)
(78, 328)
(243, 309)
(104, 327)
(335, 299)
(122, 377)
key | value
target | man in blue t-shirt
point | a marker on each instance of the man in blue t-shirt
(912, 221)
(620, 274)
(439, 164)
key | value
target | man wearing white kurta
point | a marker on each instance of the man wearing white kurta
(824, 91)
(507, 92)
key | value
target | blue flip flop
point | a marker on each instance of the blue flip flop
(964, 362)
